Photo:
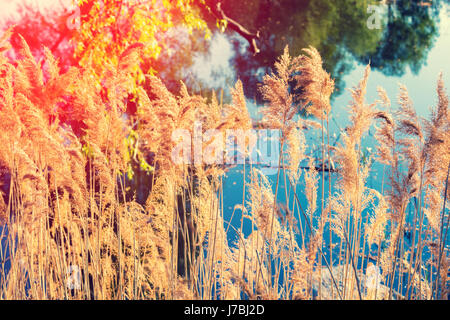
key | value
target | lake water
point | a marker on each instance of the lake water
(421, 83)
(219, 71)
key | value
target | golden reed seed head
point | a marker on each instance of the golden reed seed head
(63, 195)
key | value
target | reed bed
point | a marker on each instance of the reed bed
(74, 226)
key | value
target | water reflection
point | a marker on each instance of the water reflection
(392, 35)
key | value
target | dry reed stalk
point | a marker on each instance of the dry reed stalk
(63, 196)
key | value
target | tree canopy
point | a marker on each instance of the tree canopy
(339, 30)
(173, 32)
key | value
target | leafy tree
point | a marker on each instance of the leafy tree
(173, 31)
(338, 29)
(96, 32)
(107, 30)
(40, 30)
(409, 35)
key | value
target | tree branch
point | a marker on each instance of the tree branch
(238, 28)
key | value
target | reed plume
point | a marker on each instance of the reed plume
(281, 110)
(75, 230)
(315, 83)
